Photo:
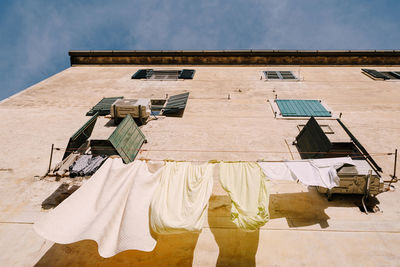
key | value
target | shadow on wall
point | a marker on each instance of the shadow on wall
(236, 247)
(171, 250)
(307, 208)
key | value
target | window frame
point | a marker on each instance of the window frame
(280, 75)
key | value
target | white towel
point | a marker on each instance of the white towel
(313, 172)
(111, 208)
(180, 202)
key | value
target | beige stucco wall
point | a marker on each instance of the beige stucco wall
(305, 229)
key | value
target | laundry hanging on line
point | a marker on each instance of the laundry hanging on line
(86, 165)
(111, 208)
(62, 168)
(312, 172)
(246, 185)
(180, 202)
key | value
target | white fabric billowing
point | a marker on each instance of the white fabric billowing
(276, 170)
(247, 188)
(313, 172)
(181, 200)
(112, 208)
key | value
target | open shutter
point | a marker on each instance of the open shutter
(187, 74)
(176, 104)
(103, 107)
(375, 74)
(142, 74)
(81, 136)
(313, 140)
(127, 139)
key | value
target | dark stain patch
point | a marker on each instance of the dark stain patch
(6, 170)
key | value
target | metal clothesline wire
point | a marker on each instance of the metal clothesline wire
(235, 151)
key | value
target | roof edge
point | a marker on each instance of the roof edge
(236, 57)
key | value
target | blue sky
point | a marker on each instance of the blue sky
(37, 35)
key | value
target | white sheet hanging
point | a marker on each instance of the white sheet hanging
(111, 208)
(313, 172)
(180, 202)
(246, 185)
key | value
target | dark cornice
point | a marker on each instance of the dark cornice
(237, 57)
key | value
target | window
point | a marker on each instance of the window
(160, 75)
(279, 75)
(326, 128)
(382, 75)
(288, 108)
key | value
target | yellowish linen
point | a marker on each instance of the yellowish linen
(246, 185)
(180, 201)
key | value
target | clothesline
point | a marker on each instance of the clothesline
(216, 161)
(237, 151)
(122, 204)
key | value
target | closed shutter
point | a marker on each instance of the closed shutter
(302, 108)
(279, 75)
(396, 74)
(271, 75)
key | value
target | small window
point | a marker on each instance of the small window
(161, 75)
(382, 75)
(326, 128)
(279, 75)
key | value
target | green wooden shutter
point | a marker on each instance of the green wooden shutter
(175, 104)
(375, 74)
(186, 74)
(313, 140)
(142, 74)
(80, 136)
(302, 108)
(103, 107)
(127, 139)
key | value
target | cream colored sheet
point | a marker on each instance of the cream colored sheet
(247, 187)
(180, 202)
(111, 208)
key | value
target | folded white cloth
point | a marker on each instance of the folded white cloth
(112, 208)
(180, 202)
(313, 172)
(247, 188)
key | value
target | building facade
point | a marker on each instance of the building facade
(231, 114)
